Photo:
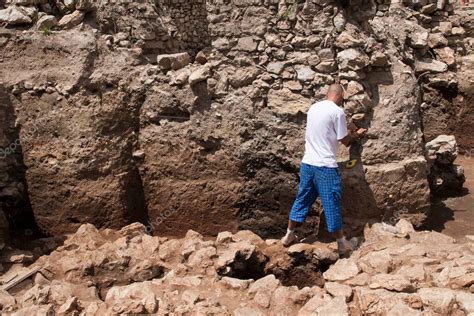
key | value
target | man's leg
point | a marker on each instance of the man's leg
(292, 225)
(307, 194)
(329, 184)
(339, 234)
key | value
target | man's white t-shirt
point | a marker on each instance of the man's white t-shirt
(326, 125)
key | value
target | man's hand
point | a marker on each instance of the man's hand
(361, 132)
(352, 135)
(352, 127)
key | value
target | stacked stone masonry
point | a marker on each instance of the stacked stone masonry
(190, 17)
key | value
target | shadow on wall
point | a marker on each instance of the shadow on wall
(134, 198)
(358, 199)
(440, 215)
(14, 198)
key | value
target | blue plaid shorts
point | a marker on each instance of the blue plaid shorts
(323, 182)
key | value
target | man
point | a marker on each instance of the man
(319, 174)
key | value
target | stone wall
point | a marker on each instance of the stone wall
(190, 18)
(290, 52)
(448, 96)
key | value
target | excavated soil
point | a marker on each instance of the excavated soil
(454, 216)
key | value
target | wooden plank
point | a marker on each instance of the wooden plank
(19, 278)
(4, 292)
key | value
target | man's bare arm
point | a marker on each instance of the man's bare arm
(353, 134)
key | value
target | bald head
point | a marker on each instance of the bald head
(336, 93)
(335, 89)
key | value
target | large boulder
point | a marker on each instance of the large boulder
(352, 59)
(136, 298)
(442, 150)
(285, 102)
(14, 15)
(446, 55)
(243, 77)
(419, 39)
(439, 300)
(46, 22)
(173, 61)
(70, 20)
(346, 40)
(430, 66)
(200, 74)
(380, 301)
(276, 67)
(445, 177)
(305, 73)
(437, 40)
(247, 44)
(342, 270)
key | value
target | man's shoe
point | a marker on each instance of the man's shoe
(288, 239)
(346, 248)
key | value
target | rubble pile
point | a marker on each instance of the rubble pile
(111, 272)
(446, 178)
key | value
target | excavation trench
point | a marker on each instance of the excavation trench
(301, 266)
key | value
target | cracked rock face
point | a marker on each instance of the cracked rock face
(120, 119)
(102, 272)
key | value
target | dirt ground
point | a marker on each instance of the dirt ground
(455, 216)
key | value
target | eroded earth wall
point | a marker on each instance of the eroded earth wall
(212, 141)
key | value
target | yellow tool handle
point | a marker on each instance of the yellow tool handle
(351, 164)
